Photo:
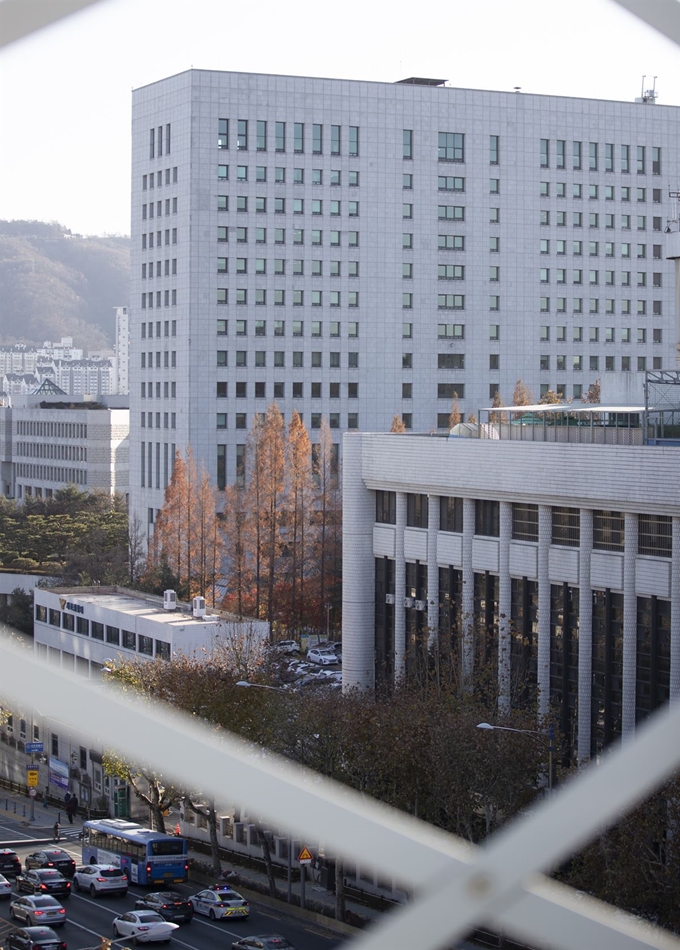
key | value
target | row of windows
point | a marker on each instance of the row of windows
(163, 474)
(169, 359)
(147, 239)
(298, 175)
(279, 362)
(53, 430)
(169, 390)
(156, 179)
(298, 236)
(294, 205)
(164, 298)
(50, 473)
(595, 335)
(258, 265)
(104, 632)
(297, 327)
(169, 328)
(51, 450)
(241, 418)
(589, 155)
(654, 531)
(156, 141)
(278, 297)
(148, 209)
(169, 420)
(297, 392)
(577, 363)
(167, 268)
(593, 306)
(594, 192)
(595, 220)
(260, 132)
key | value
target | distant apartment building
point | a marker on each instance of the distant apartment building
(49, 440)
(23, 368)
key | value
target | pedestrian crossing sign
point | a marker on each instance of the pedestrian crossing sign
(305, 856)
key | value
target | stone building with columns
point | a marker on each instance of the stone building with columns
(563, 558)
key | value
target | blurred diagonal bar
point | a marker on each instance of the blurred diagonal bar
(20, 18)
(663, 15)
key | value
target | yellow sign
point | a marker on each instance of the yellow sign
(305, 856)
(32, 778)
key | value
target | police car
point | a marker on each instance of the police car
(220, 901)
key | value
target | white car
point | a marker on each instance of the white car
(5, 887)
(287, 646)
(220, 901)
(100, 879)
(143, 926)
(322, 657)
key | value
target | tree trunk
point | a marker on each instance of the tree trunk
(267, 855)
(339, 890)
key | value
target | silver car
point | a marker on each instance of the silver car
(38, 911)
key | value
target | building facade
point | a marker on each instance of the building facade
(47, 443)
(357, 250)
(557, 563)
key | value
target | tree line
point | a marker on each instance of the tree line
(268, 546)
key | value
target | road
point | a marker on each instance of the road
(90, 919)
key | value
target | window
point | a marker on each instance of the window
(494, 149)
(494, 215)
(566, 524)
(494, 244)
(592, 156)
(487, 518)
(222, 133)
(407, 143)
(446, 301)
(451, 212)
(577, 155)
(641, 153)
(524, 522)
(544, 217)
(353, 141)
(545, 153)
(494, 186)
(449, 271)
(407, 181)
(451, 147)
(655, 535)
(407, 360)
(449, 183)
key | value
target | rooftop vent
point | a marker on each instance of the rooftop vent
(169, 600)
(198, 607)
(420, 81)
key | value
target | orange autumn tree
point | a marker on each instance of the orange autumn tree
(299, 508)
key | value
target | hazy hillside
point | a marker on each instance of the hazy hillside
(54, 284)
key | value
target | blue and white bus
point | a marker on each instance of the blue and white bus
(147, 857)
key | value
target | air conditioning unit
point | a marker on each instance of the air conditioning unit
(420, 605)
(408, 602)
(389, 598)
(169, 600)
(198, 604)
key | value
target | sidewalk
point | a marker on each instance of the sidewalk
(17, 808)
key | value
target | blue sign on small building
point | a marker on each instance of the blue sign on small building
(31, 747)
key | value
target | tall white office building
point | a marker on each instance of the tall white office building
(357, 250)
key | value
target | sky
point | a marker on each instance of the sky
(65, 92)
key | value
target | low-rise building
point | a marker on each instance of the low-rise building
(535, 544)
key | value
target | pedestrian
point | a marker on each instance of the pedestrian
(67, 798)
(71, 808)
(56, 830)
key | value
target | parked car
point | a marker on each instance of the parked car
(44, 881)
(30, 938)
(5, 886)
(322, 657)
(263, 942)
(100, 879)
(52, 858)
(10, 865)
(36, 910)
(220, 901)
(287, 646)
(169, 904)
(143, 926)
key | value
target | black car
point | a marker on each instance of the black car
(10, 865)
(52, 858)
(26, 938)
(169, 904)
(44, 881)
(263, 942)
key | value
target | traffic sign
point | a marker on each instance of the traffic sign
(32, 747)
(305, 856)
(32, 778)
(32, 792)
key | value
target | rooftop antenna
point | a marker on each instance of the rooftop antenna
(517, 88)
(648, 96)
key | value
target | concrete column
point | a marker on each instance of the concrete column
(468, 595)
(675, 615)
(399, 590)
(629, 627)
(504, 607)
(585, 635)
(358, 571)
(543, 658)
(432, 571)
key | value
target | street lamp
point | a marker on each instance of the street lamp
(534, 733)
(276, 689)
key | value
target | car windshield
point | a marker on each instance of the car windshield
(45, 902)
(169, 897)
(167, 847)
(49, 875)
(151, 918)
(231, 896)
(57, 855)
(112, 872)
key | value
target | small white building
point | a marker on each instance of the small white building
(81, 628)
